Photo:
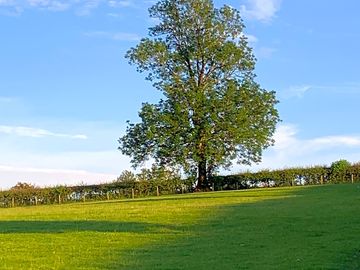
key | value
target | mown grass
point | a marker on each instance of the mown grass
(285, 228)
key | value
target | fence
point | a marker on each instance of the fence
(316, 175)
(135, 188)
(117, 190)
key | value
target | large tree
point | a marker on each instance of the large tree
(213, 112)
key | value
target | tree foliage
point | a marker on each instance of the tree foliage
(23, 186)
(339, 168)
(213, 111)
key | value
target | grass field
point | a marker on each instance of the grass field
(285, 228)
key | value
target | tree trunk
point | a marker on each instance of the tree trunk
(202, 175)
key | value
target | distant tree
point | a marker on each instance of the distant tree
(126, 177)
(339, 169)
(213, 111)
(159, 177)
(23, 186)
(158, 174)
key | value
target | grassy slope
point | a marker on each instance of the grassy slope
(288, 228)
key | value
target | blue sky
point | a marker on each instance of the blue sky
(66, 89)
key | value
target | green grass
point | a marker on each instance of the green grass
(285, 228)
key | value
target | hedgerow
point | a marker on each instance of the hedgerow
(160, 181)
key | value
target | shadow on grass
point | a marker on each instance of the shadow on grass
(318, 230)
(15, 226)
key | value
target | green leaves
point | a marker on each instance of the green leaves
(213, 111)
(340, 168)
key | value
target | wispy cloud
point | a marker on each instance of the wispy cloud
(39, 170)
(251, 38)
(51, 177)
(286, 138)
(291, 150)
(260, 51)
(264, 52)
(114, 15)
(334, 141)
(6, 2)
(298, 91)
(36, 132)
(61, 168)
(52, 5)
(120, 4)
(87, 6)
(114, 36)
(68, 158)
(80, 7)
(10, 8)
(349, 88)
(262, 10)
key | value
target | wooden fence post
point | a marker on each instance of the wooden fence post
(132, 193)
(321, 179)
(157, 191)
(108, 195)
(59, 199)
(36, 200)
(13, 202)
(352, 178)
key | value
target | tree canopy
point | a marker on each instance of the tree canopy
(213, 111)
(339, 168)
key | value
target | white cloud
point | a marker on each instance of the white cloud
(50, 177)
(87, 6)
(125, 37)
(334, 141)
(69, 168)
(261, 52)
(300, 90)
(10, 8)
(287, 141)
(264, 52)
(36, 132)
(114, 15)
(16, 7)
(297, 91)
(349, 88)
(290, 150)
(46, 161)
(81, 7)
(114, 36)
(119, 4)
(251, 38)
(262, 10)
(6, 2)
(52, 5)
(285, 136)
